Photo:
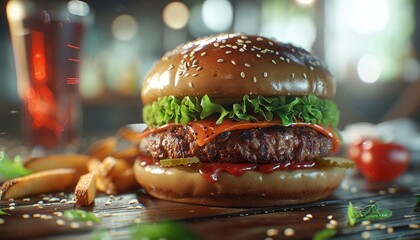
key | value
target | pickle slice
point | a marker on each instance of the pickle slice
(178, 161)
(335, 162)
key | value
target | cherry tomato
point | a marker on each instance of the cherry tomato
(379, 161)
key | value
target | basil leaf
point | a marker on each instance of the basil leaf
(308, 109)
(163, 230)
(12, 168)
(3, 213)
(369, 212)
(324, 234)
(81, 215)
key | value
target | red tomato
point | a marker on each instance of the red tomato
(379, 161)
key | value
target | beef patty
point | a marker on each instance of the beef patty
(258, 145)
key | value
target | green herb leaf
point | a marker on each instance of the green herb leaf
(3, 213)
(324, 234)
(12, 168)
(369, 212)
(309, 109)
(81, 215)
(163, 230)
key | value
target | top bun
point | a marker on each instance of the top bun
(232, 65)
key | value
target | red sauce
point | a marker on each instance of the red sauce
(211, 171)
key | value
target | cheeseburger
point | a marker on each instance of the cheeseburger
(239, 120)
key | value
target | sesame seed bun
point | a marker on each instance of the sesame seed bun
(252, 189)
(216, 65)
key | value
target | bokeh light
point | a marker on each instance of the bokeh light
(217, 15)
(78, 8)
(124, 27)
(369, 16)
(175, 15)
(369, 68)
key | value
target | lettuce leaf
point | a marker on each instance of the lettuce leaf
(12, 168)
(308, 109)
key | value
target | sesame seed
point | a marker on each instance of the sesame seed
(311, 68)
(63, 201)
(414, 225)
(281, 58)
(216, 44)
(259, 39)
(138, 207)
(330, 226)
(244, 37)
(277, 53)
(390, 230)
(274, 62)
(26, 199)
(185, 56)
(272, 232)
(258, 55)
(333, 222)
(242, 74)
(229, 45)
(288, 232)
(184, 52)
(240, 40)
(271, 43)
(235, 47)
(366, 235)
(254, 79)
(186, 74)
(195, 62)
(12, 204)
(12, 208)
(392, 190)
(265, 74)
(247, 65)
(233, 62)
(242, 50)
(365, 223)
(306, 219)
(194, 75)
(203, 54)
(199, 68)
(220, 60)
(74, 225)
(222, 46)
(287, 60)
(36, 215)
(108, 202)
(309, 215)
(304, 75)
(330, 217)
(26, 216)
(248, 41)
(228, 52)
(58, 214)
(293, 76)
(171, 66)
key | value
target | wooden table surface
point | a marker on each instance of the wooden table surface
(39, 216)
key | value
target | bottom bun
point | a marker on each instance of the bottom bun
(252, 189)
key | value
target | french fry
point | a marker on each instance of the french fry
(40, 182)
(76, 161)
(125, 180)
(102, 148)
(104, 184)
(114, 166)
(85, 191)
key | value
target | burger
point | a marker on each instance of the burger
(239, 120)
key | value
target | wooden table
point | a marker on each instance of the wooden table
(39, 217)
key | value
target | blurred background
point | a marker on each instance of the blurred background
(372, 47)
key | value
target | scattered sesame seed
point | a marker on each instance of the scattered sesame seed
(254, 79)
(273, 61)
(191, 86)
(259, 39)
(288, 232)
(304, 75)
(229, 45)
(58, 214)
(390, 230)
(74, 225)
(186, 74)
(242, 50)
(194, 62)
(26, 216)
(2, 221)
(265, 74)
(26, 199)
(248, 41)
(222, 46)
(12, 208)
(271, 43)
(220, 60)
(281, 58)
(233, 62)
(184, 52)
(365, 223)
(71, 202)
(108, 202)
(258, 55)
(293, 76)
(392, 190)
(277, 53)
(242, 74)
(194, 74)
(235, 47)
(139, 207)
(63, 200)
(330, 217)
(366, 235)
(311, 68)
(36, 215)
(203, 54)
(414, 225)
(306, 219)
(228, 52)
(185, 56)
(333, 222)
(244, 37)
(247, 65)
(272, 232)
(287, 60)
(216, 44)
(309, 215)
(199, 68)
(240, 40)
(330, 226)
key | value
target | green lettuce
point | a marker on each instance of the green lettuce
(308, 109)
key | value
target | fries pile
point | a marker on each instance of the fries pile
(102, 168)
